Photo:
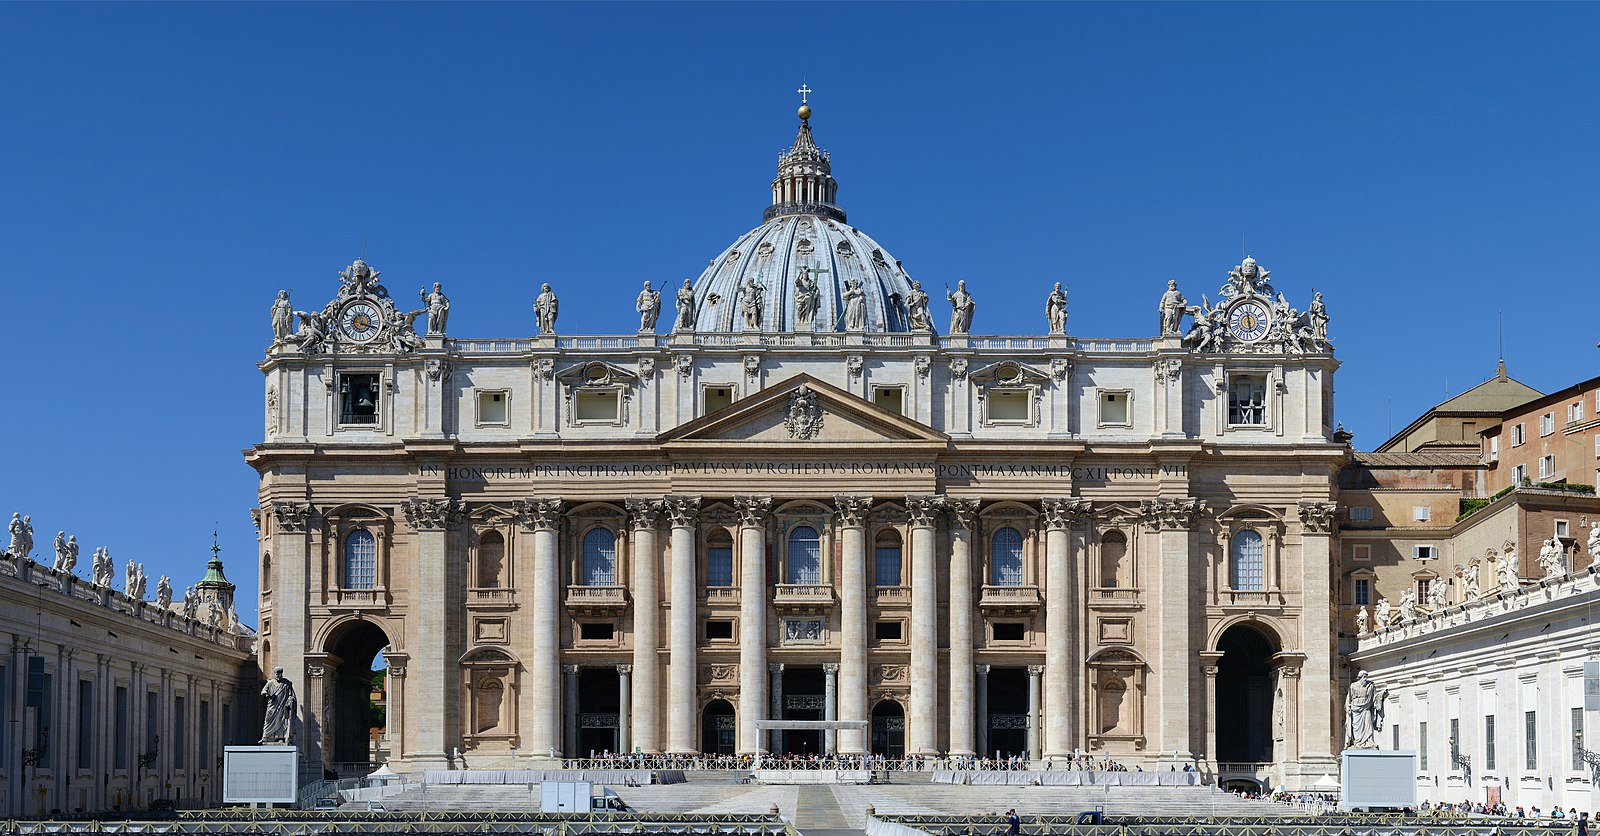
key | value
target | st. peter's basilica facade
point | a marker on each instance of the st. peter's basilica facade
(804, 502)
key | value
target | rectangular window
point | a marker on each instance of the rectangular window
(1519, 434)
(1597, 445)
(1361, 552)
(1494, 448)
(1424, 552)
(85, 730)
(1519, 475)
(719, 565)
(205, 735)
(152, 723)
(1455, 741)
(1575, 412)
(596, 631)
(1547, 467)
(1394, 733)
(492, 409)
(1577, 740)
(1247, 400)
(1422, 588)
(886, 568)
(890, 398)
(719, 629)
(1422, 746)
(1530, 736)
(1547, 424)
(41, 732)
(227, 724)
(1421, 513)
(1562, 528)
(600, 407)
(180, 732)
(1007, 406)
(1488, 742)
(1114, 409)
(1010, 631)
(1361, 513)
(119, 747)
(717, 397)
(358, 398)
(1363, 591)
(887, 631)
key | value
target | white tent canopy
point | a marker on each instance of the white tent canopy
(1326, 782)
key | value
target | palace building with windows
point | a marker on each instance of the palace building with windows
(802, 501)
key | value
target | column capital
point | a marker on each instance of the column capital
(1036, 670)
(753, 511)
(774, 667)
(830, 668)
(851, 511)
(396, 671)
(1319, 517)
(983, 670)
(625, 670)
(922, 509)
(535, 513)
(963, 509)
(569, 670)
(434, 513)
(1066, 511)
(1172, 513)
(291, 516)
(682, 511)
(644, 511)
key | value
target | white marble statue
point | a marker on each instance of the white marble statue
(357, 278)
(1506, 574)
(213, 613)
(1550, 558)
(961, 307)
(104, 570)
(164, 592)
(191, 603)
(139, 582)
(282, 319)
(438, 309)
(130, 577)
(686, 316)
(1363, 625)
(69, 562)
(1594, 543)
(1408, 606)
(1438, 590)
(750, 303)
(21, 529)
(917, 308)
(1383, 614)
(65, 552)
(1363, 712)
(1470, 589)
(1317, 317)
(855, 305)
(545, 308)
(806, 298)
(1055, 310)
(313, 330)
(1172, 308)
(649, 307)
(278, 724)
(233, 620)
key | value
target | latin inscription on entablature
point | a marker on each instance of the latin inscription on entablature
(965, 472)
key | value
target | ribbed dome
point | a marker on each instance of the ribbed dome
(803, 229)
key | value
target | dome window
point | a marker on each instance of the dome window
(803, 248)
(765, 250)
(733, 256)
(844, 250)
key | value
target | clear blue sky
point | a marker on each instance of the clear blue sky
(165, 169)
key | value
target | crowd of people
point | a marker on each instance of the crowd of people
(1324, 802)
(911, 763)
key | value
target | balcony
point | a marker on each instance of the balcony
(720, 594)
(1115, 597)
(1012, 600)
(803, 598)
(900, 595)
(358, 599)
(491, 597)
(597, 600)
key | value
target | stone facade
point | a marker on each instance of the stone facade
(1025, 544)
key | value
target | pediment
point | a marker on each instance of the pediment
(596, 373)
(1009, 373)
(803, 411)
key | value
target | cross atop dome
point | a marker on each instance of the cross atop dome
(804, 184)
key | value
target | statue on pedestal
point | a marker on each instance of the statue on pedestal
(66, 553)
(1550, 558)
(1363, 713)
(855, 305)
(1507, 574)
(191, 603)
(438, 309)
(1055, 310)
(1437, 590)
(1408, 606)
(21, 529)
(961, 308)
(104, 569)
(1172, 308)
(1470, 590)
(1362, 626)
(750, 304)
(1594, 543)
(685, 320)
(282, 319)
(917, 308)
(277, 726)
(545, 309)
(649, 307)
(1382, 614)
(806, 298)
(164, 592)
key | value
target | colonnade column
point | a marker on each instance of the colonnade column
(775, 670)
(394, 727)
(1035, 673)
(540, 517)
(1175, 518)
(569, 712)
(646, 720)
(851, 514)
(830, 697)
(1061, 515)
(624, 709)
(922, 724)
(432, 518)
(683, 512)
(983, 710)
(963, 512)
(1315, 710)
(753, 511)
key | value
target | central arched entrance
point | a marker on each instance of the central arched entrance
(889, 729)
(1244, 695)
(358, 716)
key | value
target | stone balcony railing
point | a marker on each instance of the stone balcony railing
(1490, 604)
(802, 597)
(1009, 599)
(358, 599)
(597, 600)
(825, 339)
(892, 595)
(491, 597)
(1112, 594)
(720, 594)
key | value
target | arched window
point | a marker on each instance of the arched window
(600, 558)
(1113, 547)
(1005, 557)
(1244, 569)
(491, 560)
(266, 572)
(886, 559)
(719, 559)
(805, 559)
(360, 560)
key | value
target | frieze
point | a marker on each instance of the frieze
(434, 514)
(888, 674)
(802, 629)
(722, 673)
(966, 471)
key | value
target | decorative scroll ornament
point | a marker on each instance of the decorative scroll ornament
(1167, 514)
(803, 415)
(923, 364)
(851, 511)
(643, 513)
(753, 510)
(291, 516)
(434, 514)
(1169, 369)
(682, 510)
(1066, 511)
(536, 513)
(888, 674)
(1319, 517)
(723, 673)
(1249, 317)
(958, 368)
(361, 319)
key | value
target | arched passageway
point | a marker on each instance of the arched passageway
(717, 728)
(356, 715)
(1244, 696)
(889, 729)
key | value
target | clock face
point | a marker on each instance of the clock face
(1248, 321)
(360, 321)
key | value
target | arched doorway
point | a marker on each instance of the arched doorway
(356, 715)
(889, 729)
(717, 728)
(1244, 696)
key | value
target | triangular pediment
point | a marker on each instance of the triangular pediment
(804, 411)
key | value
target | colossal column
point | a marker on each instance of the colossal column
(683, 512)
(851, 513)
(922, 724)
(753, 514)
(1317, 742)
(963, 512)
(541, 517)
(1061, 515)
(646, 679)
(432, 518)
(1175, 518)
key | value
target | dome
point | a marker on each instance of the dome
(804, 239)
